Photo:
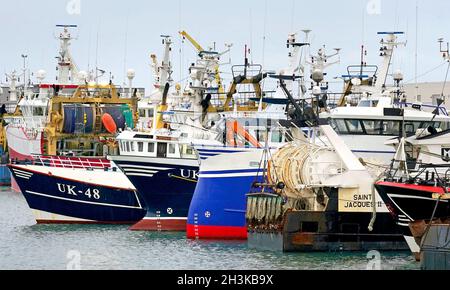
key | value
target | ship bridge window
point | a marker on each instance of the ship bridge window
(38, 111)
(261, 135)
(140, 146)
(122, 147)
(412, 127)
(142, 113)
(355, 127)
(128, 146)
(162, 150)
(132, 147)
(373, 127)
(172, 149)
(438, 125)
(365, 104)
(277, 136)
(391, 128)
(339, 126)
(151, 147)
(368, 104)
(188, 150)
(366, 127)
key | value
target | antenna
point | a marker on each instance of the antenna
(445, 52)
(446, 56)
(96, 54)
(126, 48)
(264, 35)
(67, 26)
(417, 51)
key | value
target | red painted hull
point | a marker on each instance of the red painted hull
(166, 225)
(217, 232)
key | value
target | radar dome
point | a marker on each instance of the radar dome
(398, 75)
(41, 74)
(131, 73)
(318, 76)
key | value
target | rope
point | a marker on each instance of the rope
(428, 72)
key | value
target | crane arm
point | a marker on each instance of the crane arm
(187, 36)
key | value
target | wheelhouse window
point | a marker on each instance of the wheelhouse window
(162, 150)
(189, 150)
(391, 128)
(373, 127)
(151, 147)
(128, 146)
(368, 104)
(354, 127)
(172, 149)
(38, 111)
(367, 127)
(277, 136)
(339, 126)
(140, 146)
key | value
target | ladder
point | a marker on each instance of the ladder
(98, 119)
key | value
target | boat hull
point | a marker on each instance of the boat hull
(60, 195)
(218, 208)
(409, 203)
(167, 186)
(22, 147)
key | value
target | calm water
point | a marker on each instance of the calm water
(24, 245)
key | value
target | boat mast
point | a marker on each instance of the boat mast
(67, 69)
(165, 70)
(12, 78)
(387, 51)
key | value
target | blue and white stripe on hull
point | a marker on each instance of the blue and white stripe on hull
(69, 196)
(167, 186)
(207, 151)
(218, 208)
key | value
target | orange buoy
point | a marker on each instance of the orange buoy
(109, 123)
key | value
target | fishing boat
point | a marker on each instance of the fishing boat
(162, 163)
(318, 198)
(370, 112)
(219, 204)
(63, 190)
(53, 140)
(78, 128)
(416, 187)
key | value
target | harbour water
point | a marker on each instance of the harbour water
(25, 245)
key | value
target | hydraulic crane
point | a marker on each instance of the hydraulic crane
(201, 51)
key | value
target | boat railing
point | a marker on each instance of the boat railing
(88, 163)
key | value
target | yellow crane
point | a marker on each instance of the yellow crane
(200, 49)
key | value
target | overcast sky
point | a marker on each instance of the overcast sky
(29, 27)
